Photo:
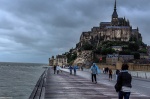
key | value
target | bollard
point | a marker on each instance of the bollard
(137, 74)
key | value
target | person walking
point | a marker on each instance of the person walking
(110, 74)
(94, 72)
(75, 69)
(117, 73)
(58, 69)
(70, 68)
(54, 69)
(103, 70)
(123, 85)
(82, 68)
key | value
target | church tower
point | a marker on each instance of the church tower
(114, 21)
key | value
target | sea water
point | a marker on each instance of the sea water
(17, 80)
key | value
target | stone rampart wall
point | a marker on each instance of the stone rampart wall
(133, 67)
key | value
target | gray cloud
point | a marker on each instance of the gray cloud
(33, 31)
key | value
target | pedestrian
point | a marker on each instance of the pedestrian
(106, 70)
(117, 73)
(70, 68)
(103, 70)
(58, 69)
(54, 69)
(110, 74)
(123, 85)
(82, 68)
(75, 69)
(94, 72)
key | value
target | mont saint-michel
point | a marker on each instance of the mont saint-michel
(119, 29)
(110, 42)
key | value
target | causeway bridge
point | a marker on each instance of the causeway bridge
(66, 86)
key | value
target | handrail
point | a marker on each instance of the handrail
(39, 89)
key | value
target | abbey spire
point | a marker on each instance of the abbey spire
(115, 15)
(114, 21)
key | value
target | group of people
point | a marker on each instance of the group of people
(73, 68)
(57, 69)
(110, 72)
(123, 80)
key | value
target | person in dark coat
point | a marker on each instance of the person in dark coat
(54, 69)
(117, 73)
(110, 74)
(124, 82)
(82, 68)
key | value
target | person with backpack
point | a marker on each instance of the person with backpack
(94, 72)
(123, 85)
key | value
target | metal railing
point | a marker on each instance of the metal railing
(139, 74)
(39, 89)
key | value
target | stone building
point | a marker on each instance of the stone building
(114, 58)
(148, 51)
(117, 48)
(119, 29)
(51, 61)
(60, 60)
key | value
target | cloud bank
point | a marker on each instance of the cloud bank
(33, 31)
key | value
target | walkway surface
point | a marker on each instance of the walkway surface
(66, 86)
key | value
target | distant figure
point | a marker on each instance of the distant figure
(70, 68)
(110, 74)
(94, 72)
(54, 69)
(106, 70)
(82, 68)
(103, 70)
(117, 73)
(74, 69)
(58, 69)
(123, 85)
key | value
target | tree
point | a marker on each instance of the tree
(106, 51)
(71, 57)
(136, 55)
(87, 46)
(125, 52)
(143, 50)
(133, 46)
(133, 38)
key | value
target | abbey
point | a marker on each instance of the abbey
(119, 29)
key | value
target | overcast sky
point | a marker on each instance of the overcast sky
(34, 30)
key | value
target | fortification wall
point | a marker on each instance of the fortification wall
(132, 67)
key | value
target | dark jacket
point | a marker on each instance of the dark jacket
(124, 79)
(117, 72)
(54, 67)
